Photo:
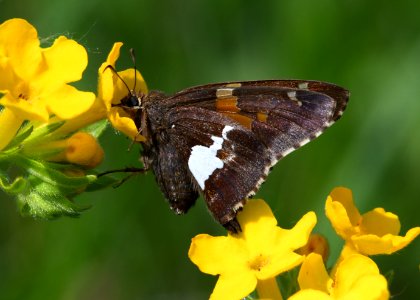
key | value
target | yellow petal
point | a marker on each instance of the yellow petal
(345, 197)
(114, 54)
(121, 121)
(370, 244)
(106, 88)
(269, 289)
(95, 113)
(9, 125)
(370, 287)
(64, 62)
(106, 76)
(257, 222)
(8, 76)
(347, 251)
(358, 277)
(279, 262)
(216, 255)
(67, 102)
(313, 275)
(380, 222)
(298, 236)
(19, 43)
(310, 294)
(337, 214)
(27, 110)
(128, 77)
(259, 226)
(234, 286)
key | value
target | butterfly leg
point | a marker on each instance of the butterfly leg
(132, 170)
(124, 170)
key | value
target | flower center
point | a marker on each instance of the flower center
(258, 262)
(22, 91)
(23, 97)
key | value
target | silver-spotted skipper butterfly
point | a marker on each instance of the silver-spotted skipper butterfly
(221, 140)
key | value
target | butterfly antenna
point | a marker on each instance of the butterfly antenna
(118, 75)
(133, 58)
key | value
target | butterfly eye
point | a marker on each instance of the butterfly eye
(131, 101)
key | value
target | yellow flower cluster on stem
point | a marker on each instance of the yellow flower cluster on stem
(253, 258)
(48, 128)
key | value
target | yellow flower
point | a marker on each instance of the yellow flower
(357, 277)
(111, 90)
(254, 256)
(34, 80)
(375, 232)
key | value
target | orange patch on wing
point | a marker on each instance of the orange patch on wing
(243, 120)
(262, 117)
(227, 104)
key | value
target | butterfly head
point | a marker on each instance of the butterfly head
(132, 101)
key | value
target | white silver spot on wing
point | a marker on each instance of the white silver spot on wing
(203, 160)
(292, 96)
(224, 92)
(303, 85)
(238, 206)
(288, 151)
(304, 142)
(329, 123)
(318, 133)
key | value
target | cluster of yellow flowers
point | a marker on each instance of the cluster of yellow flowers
(49, 130)
(253, 258)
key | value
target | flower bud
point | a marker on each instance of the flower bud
(83, 149)
(317, 243)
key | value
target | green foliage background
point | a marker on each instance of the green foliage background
(130, 245)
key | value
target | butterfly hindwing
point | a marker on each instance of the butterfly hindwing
(219, 154)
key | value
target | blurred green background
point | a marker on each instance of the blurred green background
(130, 245)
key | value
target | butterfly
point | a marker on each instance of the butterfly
(221, 140)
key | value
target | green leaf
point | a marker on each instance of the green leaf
(46, 201)
(96, 129)
(48, 173)
(42, 131)
(16, 187)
